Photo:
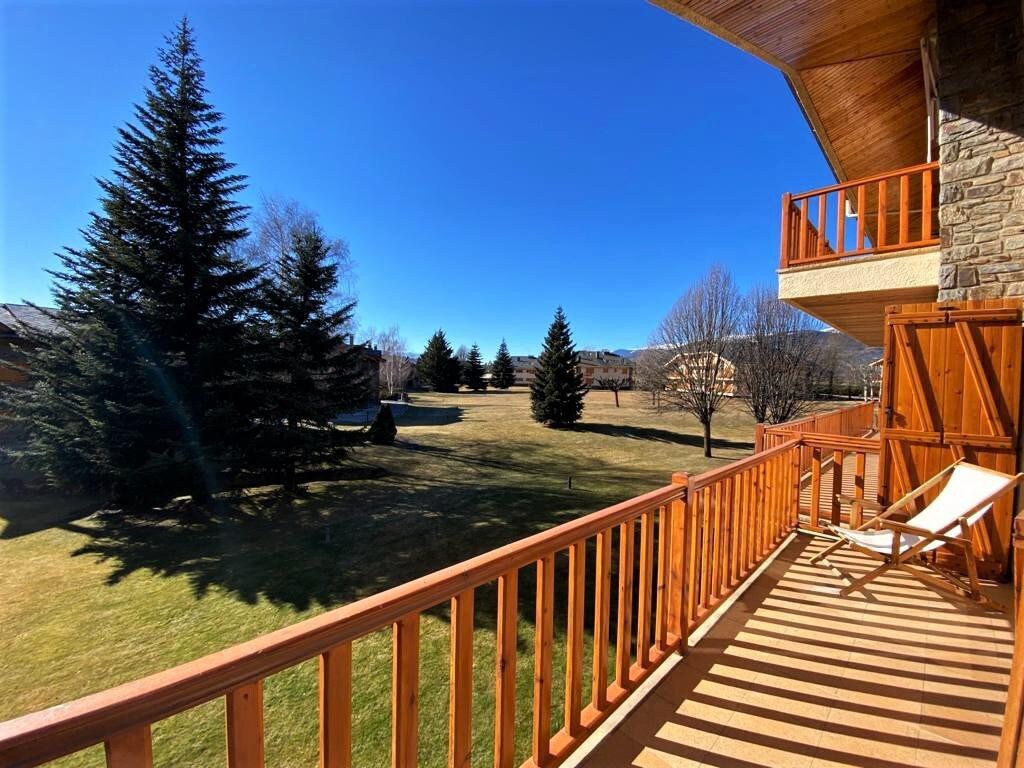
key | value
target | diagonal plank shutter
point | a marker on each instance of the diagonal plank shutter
(952, 389)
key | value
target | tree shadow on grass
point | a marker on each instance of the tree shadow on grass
(412, 415)
(658, 435)
(345, 540)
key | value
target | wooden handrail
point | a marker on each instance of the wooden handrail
(910, 202)
(699, 539)
(854, 183)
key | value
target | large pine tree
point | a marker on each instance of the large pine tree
(556, 394)
(473, 370)
(437, 366)
(310, 375)
(145, 392)
(503, 372)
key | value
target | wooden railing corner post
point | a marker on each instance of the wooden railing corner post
(758, 438)
(787, 205)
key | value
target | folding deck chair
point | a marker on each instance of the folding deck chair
(966, 498)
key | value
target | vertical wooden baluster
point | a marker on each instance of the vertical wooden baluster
(765, 507)
(624, 638)
(793, 499)
(837, 486)
(736, 546)
(405, 694)
(460, 685)
(787, 204)
(716, 574)
(804, 222)
(132, 748)
(336, 707)
(643, 611)
(861, 214)
(706, 551)
(724, 577)
(681, 545)
(505, 673)
(841, 223)
(675, 598)
(815, 487)
(770, 507)
(574, 638)
(856, 511)
(694, 534)
(822, 239)
(602, 618)
(244, 714)
(883, 205)
(543, 632)
(904, 209)
(663, 579)
(926, 204)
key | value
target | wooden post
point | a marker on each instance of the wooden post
(787, 205)
(405, 694)
(574, 638)
(505, 673)
(336, 707)
(758, 438)
(543, 634)
(602, 618)
(244, 714)
(460, 685)
(130, 749)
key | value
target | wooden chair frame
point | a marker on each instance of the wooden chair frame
(943, 579)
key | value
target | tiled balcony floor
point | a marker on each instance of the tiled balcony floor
(795, 675)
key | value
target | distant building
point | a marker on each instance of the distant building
(687, 364)
(594, 367)
(525, 367)
(606, 366)
(14, 320)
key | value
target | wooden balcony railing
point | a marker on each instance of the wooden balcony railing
(851, 421)
(891, 211)
(680, 551)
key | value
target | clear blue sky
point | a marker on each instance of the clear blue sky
(486, 161)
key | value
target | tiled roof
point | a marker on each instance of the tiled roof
(13, 316)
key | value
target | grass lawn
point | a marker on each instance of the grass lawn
(88, 601)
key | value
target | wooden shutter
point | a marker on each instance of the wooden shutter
(951, 389)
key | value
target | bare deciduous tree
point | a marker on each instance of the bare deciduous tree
(272, 228)
(395, 367)
(776, 358)
(649, 372)
(698, 332)
(612, 385)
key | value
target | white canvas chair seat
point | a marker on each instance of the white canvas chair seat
(966, 497)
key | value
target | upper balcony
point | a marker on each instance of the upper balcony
(851, 249)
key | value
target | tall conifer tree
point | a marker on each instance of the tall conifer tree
(145, 390)
(437, 366)
(311, 376)
(556, 394)
(503, 372)
(473, 370)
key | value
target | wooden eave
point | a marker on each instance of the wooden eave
(853, 65)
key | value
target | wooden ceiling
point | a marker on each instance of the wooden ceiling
(854, 65)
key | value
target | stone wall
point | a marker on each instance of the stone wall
(981, 148)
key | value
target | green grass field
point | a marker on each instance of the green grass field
(88, 601)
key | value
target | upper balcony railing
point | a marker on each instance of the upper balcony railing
(892, 211)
